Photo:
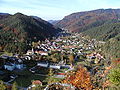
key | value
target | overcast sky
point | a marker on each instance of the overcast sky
(54, 9)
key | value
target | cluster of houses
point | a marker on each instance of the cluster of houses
(59, 86)
(75, 45)
(13, 63)
(63, 45)
(53, 86)
(96, 56)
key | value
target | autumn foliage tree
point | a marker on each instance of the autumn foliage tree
(80, 79)
(2, 86)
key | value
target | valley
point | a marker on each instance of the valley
(67, 54)
(79, 52)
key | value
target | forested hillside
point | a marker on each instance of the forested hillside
(109, 33)
(104, 32)
(18, 30)
(112, 48)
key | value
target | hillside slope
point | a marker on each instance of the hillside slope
(109, 33)
(81, 21)
(104, 32)
(18, 30)
(112, 48)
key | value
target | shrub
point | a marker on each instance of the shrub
(114, 75)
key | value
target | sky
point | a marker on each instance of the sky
(54, 9)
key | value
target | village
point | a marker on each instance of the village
(47, 62)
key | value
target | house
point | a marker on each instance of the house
(91, 56)
(59, 86)
(68, 47)
(35, 83)
(27, 57)
(9, 66)
(4, 56)
(41, 52)
(14, 63)
(60, 75)
(30, 52)
(48, 65)
(19, 66)
(55, 66)
(43, 64)
(99, 56)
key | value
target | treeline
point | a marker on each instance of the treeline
(112, 48)
(81, 21)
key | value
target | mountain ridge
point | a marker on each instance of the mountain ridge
(4, 15)
(81, 21)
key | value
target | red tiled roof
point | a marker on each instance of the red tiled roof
(37, 82)
(60, 73)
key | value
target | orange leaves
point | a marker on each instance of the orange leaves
(108, 68)
(80, 79)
